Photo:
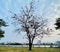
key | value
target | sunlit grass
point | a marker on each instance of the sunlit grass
(25, 49)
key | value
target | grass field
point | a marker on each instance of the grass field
(25, 49)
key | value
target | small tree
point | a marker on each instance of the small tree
(2, 23)
(51, 45)
(57, 23)
(33, 25)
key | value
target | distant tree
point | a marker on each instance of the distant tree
(2, 23)
(58, 43)
(51, 45)
(33, 25)
(57, 23)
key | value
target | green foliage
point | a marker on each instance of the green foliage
(2, 23)
(57, 23)
(1, 33)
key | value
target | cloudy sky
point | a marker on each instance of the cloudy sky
(47, 8)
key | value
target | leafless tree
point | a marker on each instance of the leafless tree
(31, 24)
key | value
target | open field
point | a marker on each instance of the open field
(25, 49)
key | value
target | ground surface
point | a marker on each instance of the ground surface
(25, 49)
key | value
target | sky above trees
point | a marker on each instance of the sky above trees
(47, 8)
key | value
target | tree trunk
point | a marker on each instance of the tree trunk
(30, 46)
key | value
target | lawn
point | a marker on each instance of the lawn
(25, 49)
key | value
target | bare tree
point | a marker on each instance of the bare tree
(31, 24)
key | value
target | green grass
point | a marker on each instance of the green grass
(25, 49)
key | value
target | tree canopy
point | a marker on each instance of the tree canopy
(2, 23)
(57, 23)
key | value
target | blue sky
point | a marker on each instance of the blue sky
(47, 8)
